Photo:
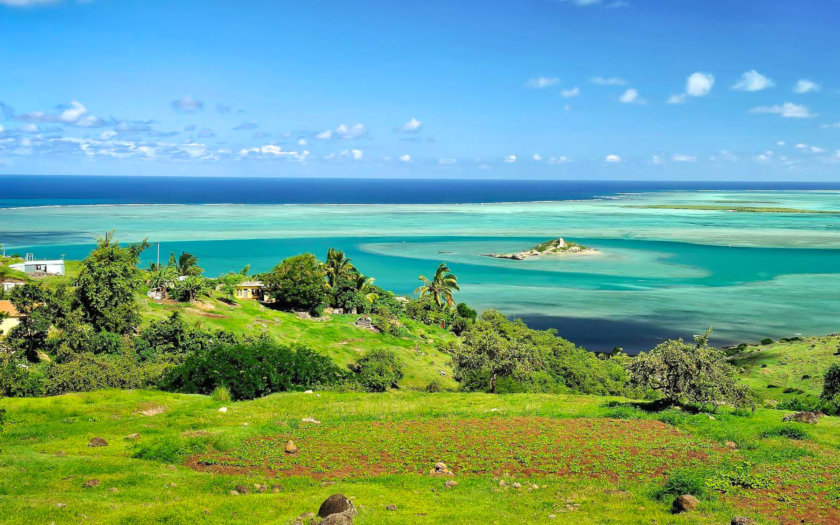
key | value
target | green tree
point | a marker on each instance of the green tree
(35, 320)
(487, 353)
(298, 283)
(831, 384)
(188, 288)
(441, 287)
(108, 281)
(229, 281)
(338, 267)
(693, 373)
(185, 264)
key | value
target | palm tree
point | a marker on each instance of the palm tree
(441, 287)
(364, 285)
(338, 266)
(186, 264)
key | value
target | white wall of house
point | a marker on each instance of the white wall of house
(53, 267)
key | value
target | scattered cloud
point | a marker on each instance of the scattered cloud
(542, 82)
(412, 126)
(343, 131)
(559, 160)
(786, 110)
(510, 159)
(537, 157)
(273, 151)
(804, 85)
(355, 154)
(806, 148)
(657, 159)
(834, 125)
(608, 81)
(631, 96)
(25, 3)
(405, 158)
(301, 142)
(612, 159)
(187, 104)
(447, 161)
(681, 157)
(72, 114)
(753, 81)
(696, 85)
(206, 133)
(569, 93)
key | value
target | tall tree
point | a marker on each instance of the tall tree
(441, 287)
(30, 335)
(337, 267)
(298, 283)
(108, 280)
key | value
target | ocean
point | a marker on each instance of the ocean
(675, 259)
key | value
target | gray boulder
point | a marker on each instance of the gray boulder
(336, 504)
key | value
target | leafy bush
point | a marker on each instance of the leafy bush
(389, 325)
(767, 341)
(17, 378)
(433, 387)
(253, 370)
(831, 383)
(740, 476)
(379, 370)
(86, 371)
(298, 283)
(175, 336)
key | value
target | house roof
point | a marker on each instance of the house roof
(250, 284)
(8, 308)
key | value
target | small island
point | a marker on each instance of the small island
(551, 247)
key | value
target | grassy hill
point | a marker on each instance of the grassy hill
(334, 335)
(785, 370)
(592, 459)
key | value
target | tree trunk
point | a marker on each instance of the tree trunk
(493, 384)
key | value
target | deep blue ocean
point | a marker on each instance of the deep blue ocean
(40, 190)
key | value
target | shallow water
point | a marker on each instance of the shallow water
(661, 272)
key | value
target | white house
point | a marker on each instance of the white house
(30, 266)
(11, 283)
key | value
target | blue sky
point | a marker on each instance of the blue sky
(574, 89)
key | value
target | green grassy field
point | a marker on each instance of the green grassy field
(785, 370)
(334, 335)
(593, 459)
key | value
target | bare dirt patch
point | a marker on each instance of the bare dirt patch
(151, 410)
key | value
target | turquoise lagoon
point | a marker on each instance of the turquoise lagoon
(660, 273)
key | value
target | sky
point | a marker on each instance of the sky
(517, 89)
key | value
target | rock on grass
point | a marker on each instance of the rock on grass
(336, 504)
(685, 503)
(97, 442)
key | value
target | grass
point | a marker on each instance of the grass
(378, 448)
(786, 370)
(335, 335)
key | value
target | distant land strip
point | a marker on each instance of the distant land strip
(743, 209)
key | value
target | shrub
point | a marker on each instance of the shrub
(787, 431)
(221, 394)
(251, 370)
(740, 476)
(684, 481)
(86, 371)
(831, 383)
(379, 370)
(17, 378)
(169, 450)
(298, 283)
(433, 387)
(174, 336)
(767, 341)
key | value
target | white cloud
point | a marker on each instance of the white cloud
(29, 128)
(753, 81)
(631, 96)
(830, 126)
(696, 85)
(569, 93)
(780, 143)
(405, 158)
(608, 81)
(447, 162)
(274, 151)
(73, 113)
(809, 149)
(537, 157)
(681, 157)
(559, 160)
(355, 154)
(613, 159)
(510, 159)
(301, 142)
(412, 126)
(786, 110)
(567, 107)
(542, 82)
(187, 104)
(657, 159)
(343, 131)
(804, 85)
